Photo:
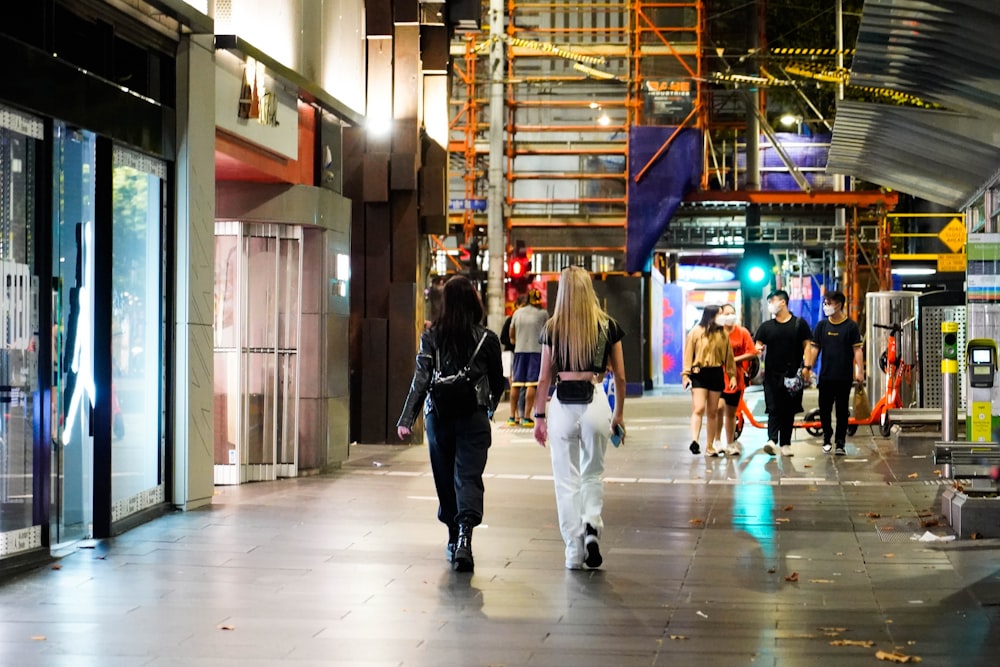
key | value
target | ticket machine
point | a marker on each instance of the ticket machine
(981, 359)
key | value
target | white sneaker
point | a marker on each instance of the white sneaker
(734, 450)
(786, 450)
(827, 447)
(770, 448)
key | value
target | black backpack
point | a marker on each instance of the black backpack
(454, 395)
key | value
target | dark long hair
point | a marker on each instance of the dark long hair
(461, 310)
(708, 316)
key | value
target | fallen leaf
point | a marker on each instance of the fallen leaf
(821, 581)
(794, 576)
(677, 637)
(57, 567)
(839, 553)
(867, 643)
(702, 614)
(227, 627)
(38, 638)
(782, 519)
(832, 631)
(772, 570)
(937, 472)
(976, 536)
(897, 657)
(913, 475)
(873, 515)
(928, 523)
(789, 508)
(696, 522)
(890, 555)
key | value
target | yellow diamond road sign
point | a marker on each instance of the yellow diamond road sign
(953, 235)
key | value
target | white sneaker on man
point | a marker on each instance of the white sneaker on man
(770, 448)
(734, 449)
(786, 450)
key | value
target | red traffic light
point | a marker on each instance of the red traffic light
(517, 268)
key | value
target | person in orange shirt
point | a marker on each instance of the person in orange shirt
(743, 351)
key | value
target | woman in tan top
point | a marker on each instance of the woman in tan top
(706, 351)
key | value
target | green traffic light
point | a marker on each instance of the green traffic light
(756, 274)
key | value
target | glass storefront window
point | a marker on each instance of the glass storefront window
(19, 139)
(73, 214)
(137, 327)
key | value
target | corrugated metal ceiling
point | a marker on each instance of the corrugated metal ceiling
(941, 51)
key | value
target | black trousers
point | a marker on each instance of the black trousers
(458, 448)
(781, 409)
(834, 393)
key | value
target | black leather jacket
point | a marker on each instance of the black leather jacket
(486, 366)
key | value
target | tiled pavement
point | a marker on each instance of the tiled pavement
(749, 561)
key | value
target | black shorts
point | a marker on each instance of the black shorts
(709, 378)
(733, 399)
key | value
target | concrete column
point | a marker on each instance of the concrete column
(194, 248)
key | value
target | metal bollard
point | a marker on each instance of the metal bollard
(949, 381)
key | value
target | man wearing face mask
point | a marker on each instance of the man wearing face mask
(838, 339)
(783, 341)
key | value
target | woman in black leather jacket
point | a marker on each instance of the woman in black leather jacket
(458, 438)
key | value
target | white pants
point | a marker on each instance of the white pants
(578, 435)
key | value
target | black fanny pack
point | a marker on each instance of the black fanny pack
(575, 391)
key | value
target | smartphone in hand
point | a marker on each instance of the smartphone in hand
(617, 435)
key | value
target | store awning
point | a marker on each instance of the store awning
(941, 52)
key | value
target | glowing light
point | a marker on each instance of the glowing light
(695, 273)
(604, 120)
(913, 271)
(755, 274)
(379, 127)
(83, 346)
(789, 120)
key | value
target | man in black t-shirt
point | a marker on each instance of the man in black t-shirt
(838, 339)
(783, 340)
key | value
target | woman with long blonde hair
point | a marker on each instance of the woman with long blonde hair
(579, 343)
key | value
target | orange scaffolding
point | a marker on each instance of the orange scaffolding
(579, 75)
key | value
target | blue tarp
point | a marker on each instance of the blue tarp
(654, 199)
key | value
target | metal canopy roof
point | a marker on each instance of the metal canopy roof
(939, 51)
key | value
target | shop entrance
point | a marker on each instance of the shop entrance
(258, 278)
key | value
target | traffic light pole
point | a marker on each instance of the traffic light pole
(495, 229)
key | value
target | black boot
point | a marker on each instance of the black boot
(449, 551)
(463, 550)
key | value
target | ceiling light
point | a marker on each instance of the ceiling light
(604, 120)
(913, 271)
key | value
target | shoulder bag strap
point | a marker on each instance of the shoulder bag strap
(468, 365)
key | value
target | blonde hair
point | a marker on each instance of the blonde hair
(576, 318)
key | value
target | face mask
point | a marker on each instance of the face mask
(729, 320)
(773, 308)
(829, 310)
(720, 320)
